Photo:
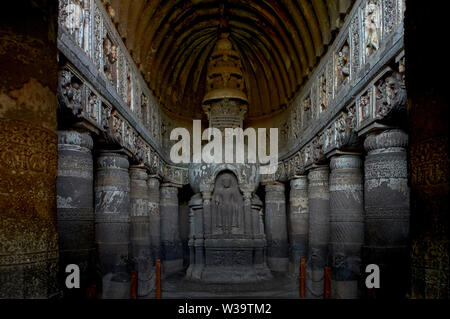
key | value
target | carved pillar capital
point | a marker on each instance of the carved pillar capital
(388, 139)
(75, 140)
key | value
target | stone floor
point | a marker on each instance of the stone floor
(281, 286)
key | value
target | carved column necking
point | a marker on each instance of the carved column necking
(386, 196)
(154, 216)
(298, 222)
(346, 225)
(75, 207)
(276, 228)
(140, 230)
(112, 221)
(319, 230)
(172, 250)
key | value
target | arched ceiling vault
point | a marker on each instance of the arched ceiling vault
(280, 42)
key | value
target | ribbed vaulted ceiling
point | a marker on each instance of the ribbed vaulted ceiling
(280, 42)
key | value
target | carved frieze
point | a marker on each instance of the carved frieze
(390, 95)
(70, 92)
(372, 26)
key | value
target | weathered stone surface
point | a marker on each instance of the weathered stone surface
(172, 250)
(276, 227)
(319, 230)
(154, 216)
(346, 225)
(75, 207)
(140, 230)
(386, 196)
(28, 150)
(112, 224)
(298, 222)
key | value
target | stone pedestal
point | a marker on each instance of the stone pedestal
(172, 250)
(154, 216)
(75, 207)
(386, 196)
(276, 228)
(319, 230)
(298, 222)
(346, 225)
(140, 230)
(28, 150)
(112, 224)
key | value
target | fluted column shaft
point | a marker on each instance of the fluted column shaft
(386, 196)
(319, 230)
(75, 207)
(346, 225)
(154, 216)
(276, 227)
(298, 222)
(112, 223)
(140, 230)
(172, 249)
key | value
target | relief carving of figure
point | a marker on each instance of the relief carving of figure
(109, 65)
(343, 65)
(391, 95)
(372, 26)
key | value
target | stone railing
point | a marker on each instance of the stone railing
(357, 87)
(100, 85)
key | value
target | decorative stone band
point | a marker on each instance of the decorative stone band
(299, 187)
(22, 259)
(275, 193)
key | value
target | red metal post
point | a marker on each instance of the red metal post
(133, 286)
(302, 278)
(327, 280)
(158, 279)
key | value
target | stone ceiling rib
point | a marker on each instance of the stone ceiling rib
(280, 42)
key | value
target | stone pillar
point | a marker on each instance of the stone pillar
(28, 150)
(276, 228)
(112, 224)
(346, 225)
(196, 238)
(154, 216)
(298, 222)
(319, 230)
(386, 196)
(140, 230)
(258, 231)
(172, 250)
(75, 207)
